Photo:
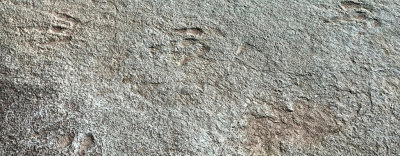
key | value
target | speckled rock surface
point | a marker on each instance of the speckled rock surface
(229, 77)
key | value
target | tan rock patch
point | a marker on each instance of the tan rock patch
(307, 124)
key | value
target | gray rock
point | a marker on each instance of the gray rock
(228, 77)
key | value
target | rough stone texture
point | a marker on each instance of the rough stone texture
(228, 77)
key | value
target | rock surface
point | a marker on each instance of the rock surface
(231, 77)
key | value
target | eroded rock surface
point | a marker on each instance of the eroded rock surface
(132, 77)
